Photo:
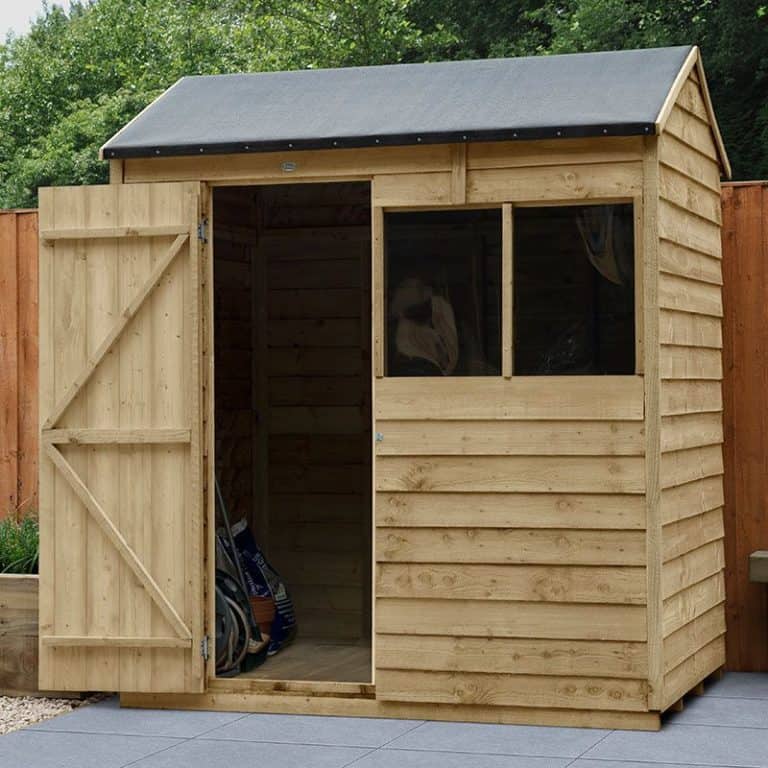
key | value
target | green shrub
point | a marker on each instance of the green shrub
(19, 545)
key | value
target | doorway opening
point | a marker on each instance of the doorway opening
(292, 411)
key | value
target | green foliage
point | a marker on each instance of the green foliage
(77, 77)
(732, 34)
(19, 545)
(68, 153)
(479, 29)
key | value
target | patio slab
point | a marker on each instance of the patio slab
(328, 731)
(30, 748)
(740, 685)
(106, 717)
(727, 727)
(475, 738)
(699, 744)
(204, 753)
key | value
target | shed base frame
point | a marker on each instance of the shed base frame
(367, 706)
(276, 697)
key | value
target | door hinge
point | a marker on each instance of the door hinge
(202, 230)
(204, 647)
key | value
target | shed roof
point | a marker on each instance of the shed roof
(576, 95)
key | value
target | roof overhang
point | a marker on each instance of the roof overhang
(591, 95)
(388, 140)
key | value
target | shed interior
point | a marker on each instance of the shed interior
(292, 386)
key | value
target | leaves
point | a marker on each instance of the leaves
(19, 545)
(77, 77)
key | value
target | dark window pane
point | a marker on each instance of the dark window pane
(574, 290)
(442, 293)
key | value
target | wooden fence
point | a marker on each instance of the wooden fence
(745, 365)
(18, 362)
(745, 371)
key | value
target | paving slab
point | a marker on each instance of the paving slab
(689, 744)
(717, 711)
(308, 729)
(725, 728)
(475, 738)
(745, 685)
(399, 758)
(40, 749)
(585, 763)
(107, 717)
(204, 753)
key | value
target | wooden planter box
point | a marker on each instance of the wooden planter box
(18, 635)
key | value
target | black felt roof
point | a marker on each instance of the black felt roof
(587, 94)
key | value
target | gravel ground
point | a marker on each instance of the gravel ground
(19, 712)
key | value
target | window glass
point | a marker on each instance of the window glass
(574, 293)
(442, 293)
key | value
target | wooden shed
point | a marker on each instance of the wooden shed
(449, 337)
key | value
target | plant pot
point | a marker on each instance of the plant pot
(18, 635)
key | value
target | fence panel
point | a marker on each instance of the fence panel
(745, 391)
(18, 362)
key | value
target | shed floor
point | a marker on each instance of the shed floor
(319, 660)
(727, 726)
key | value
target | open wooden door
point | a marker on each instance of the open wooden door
(121, 493)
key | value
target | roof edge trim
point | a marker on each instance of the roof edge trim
(398, 140)
(694, 60)
(712, 119)
(102, 155)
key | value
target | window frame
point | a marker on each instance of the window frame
(507, 209)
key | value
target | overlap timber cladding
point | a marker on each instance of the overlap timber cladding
(510, 542)
(510, 513)
(690, 334)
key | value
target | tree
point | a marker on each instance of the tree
(733, 35)
(77, 77)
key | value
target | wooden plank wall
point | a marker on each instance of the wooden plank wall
(745, 299)
(510, 513)
(234, 245)
(510, 542)
(18, 362)
(690, 334)
(315, 246)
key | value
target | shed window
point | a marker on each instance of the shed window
(443, 293)
(574, 292)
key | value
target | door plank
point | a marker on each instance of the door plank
(114, 535)
(126, 316)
